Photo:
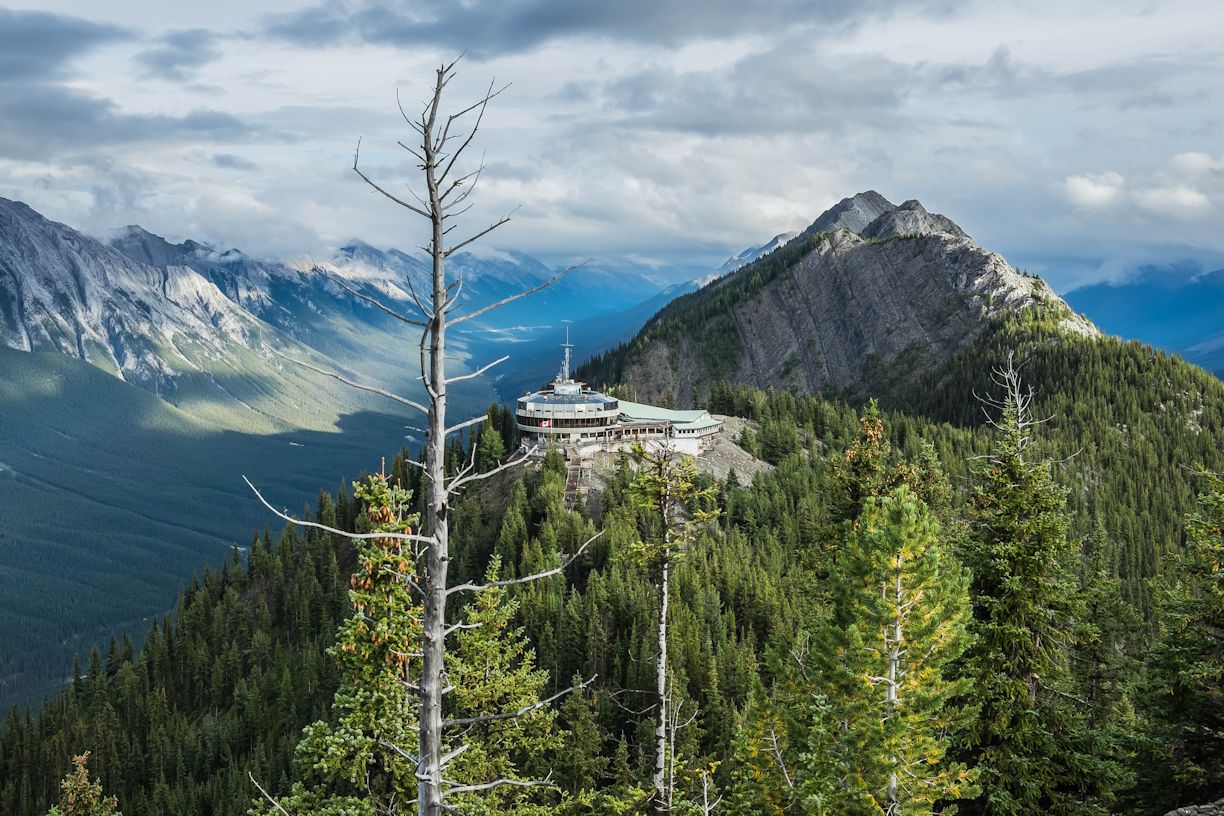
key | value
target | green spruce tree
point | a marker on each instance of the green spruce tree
(1186, 686)
(1035, 749)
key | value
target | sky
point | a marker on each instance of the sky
(1084, 140)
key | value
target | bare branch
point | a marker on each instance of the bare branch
(454, 298)
(411, 150)
(359, 386)
(266, 795)
(520, 295)
(467, 423)
(777, 753)
(515, 783)
(483, 104)
(514, 715)
(411, 758)
(374, 184)
(333, 530)
(336, 279)
(453, 755)
(526, 578)
(479, 371)
(505, 219)
(460, 480)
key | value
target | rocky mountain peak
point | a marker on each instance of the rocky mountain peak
(139, 244)
(843, 312)
(911, 219)
(853, 213)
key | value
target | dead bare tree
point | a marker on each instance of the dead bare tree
(440, 143)
(666, 487)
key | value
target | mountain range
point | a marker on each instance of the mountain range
(140, 379)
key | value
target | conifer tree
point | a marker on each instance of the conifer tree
(1032, 742)
(81, 796)
(509, 733)
(1187, 670)
(362, 764)
(900, 608)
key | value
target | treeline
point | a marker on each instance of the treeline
(1034, 682)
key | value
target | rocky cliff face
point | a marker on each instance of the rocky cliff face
(63, 291)
(861, 307)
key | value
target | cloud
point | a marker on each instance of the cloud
(1196, 164)
(39, 120)
(1156, 195)
(491, 27)
(1095, 191)
(785, 89)
(1178, 201)
(229, 161)
(38, 45)
(180, 55)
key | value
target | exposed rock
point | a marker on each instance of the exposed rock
(911, 219)
(856, 314)
(853, 213)
(1215, 808)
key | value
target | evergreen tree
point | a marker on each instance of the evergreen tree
(81, 796)
(362, 764)
(508, 732)
(900, 610)
(1033, 745)
(491, 447)
(1187, 669)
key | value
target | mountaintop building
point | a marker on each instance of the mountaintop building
(572, 416)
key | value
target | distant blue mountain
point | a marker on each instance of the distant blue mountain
(1170, 308)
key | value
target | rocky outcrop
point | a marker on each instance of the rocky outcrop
(860, 311)
(911, 219)
(853, 213)
(1215, 808)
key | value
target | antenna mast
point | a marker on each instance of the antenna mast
(565, 366)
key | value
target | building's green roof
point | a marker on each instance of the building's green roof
(690, 420)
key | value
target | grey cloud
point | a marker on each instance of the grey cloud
(489, 27)
(41, 120)
(1155, 81)
(228, 161)
(180, 54)
(35, 44)
(789, 89)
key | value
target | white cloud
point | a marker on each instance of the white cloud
(1196, 164)
(1095, 191)
(1177, 201)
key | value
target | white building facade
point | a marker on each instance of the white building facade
(571, 415)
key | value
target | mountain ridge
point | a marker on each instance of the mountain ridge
(837, 310)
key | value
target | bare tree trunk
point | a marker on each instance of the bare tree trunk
(662, 801)
(446, 193)
(429, 789)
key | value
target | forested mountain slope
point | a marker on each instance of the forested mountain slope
(853, 306)
(225, 686)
